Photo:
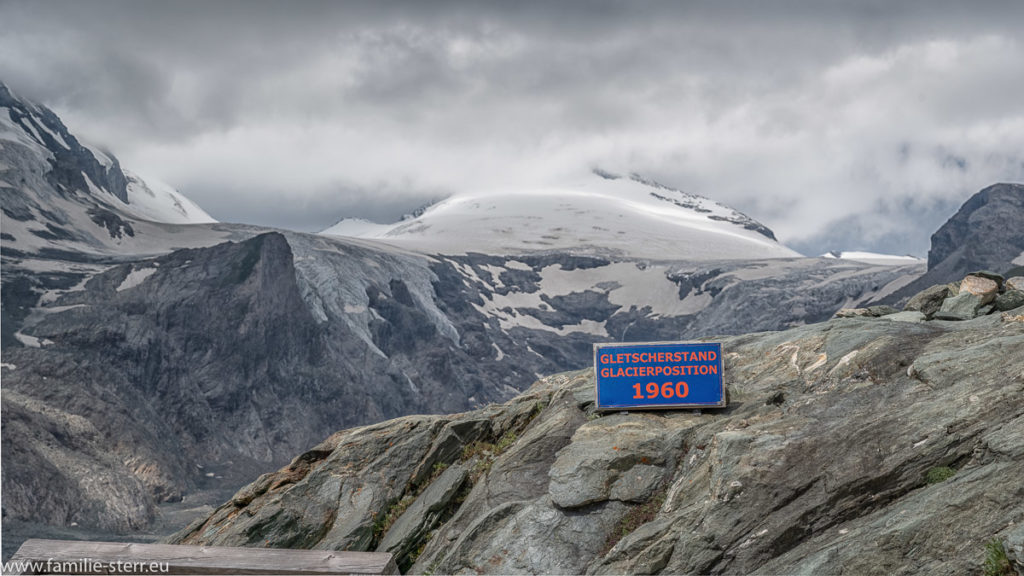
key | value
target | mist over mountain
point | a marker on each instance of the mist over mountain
(840, 127)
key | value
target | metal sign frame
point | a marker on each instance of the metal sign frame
(680, 406)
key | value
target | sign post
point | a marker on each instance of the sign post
(659, 375)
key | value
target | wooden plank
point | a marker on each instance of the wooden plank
(102, 558)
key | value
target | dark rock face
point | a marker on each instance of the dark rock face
(987, 233)
(70, 159)
(134, 363)
(858, 444)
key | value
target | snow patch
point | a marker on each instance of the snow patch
(32, 341)
(873, 258)
(153, 200)
(135, 277)
(93, 188)
(100, 156)
(57, 137)
(517, 265)
(28, 125)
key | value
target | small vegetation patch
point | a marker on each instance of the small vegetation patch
(439, 467)
(486, 453)
(636, 517)
(996, 561)
(388, 519)
(938, 474)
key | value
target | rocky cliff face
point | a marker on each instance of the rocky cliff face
(868, 445)
(987, 233)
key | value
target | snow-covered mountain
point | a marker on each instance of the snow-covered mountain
(62, 195)
(601, 215)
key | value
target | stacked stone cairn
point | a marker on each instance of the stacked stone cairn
(978, 294)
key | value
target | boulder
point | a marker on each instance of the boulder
(963, 306)
(1009, 300)
(929, 300)
(986, 288)
(1015, 283)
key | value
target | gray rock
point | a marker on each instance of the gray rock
(835, 478)
(1015, 283)
(1009, 300)
(592, 469)
(881, 310)
(929, 300)
(963, 306)
(907, 316)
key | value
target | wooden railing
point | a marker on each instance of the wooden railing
(75, 557)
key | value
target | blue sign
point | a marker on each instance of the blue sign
(659, 375)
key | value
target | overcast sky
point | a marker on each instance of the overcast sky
(852, 125)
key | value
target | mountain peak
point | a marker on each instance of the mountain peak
(606, 215)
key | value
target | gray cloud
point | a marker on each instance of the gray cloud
(835, 123)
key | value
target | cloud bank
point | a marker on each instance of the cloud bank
(839, 126)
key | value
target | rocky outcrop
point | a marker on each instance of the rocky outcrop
(977, 294)
(985, 234)
(859, 444)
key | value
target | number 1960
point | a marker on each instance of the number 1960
(666, 390)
